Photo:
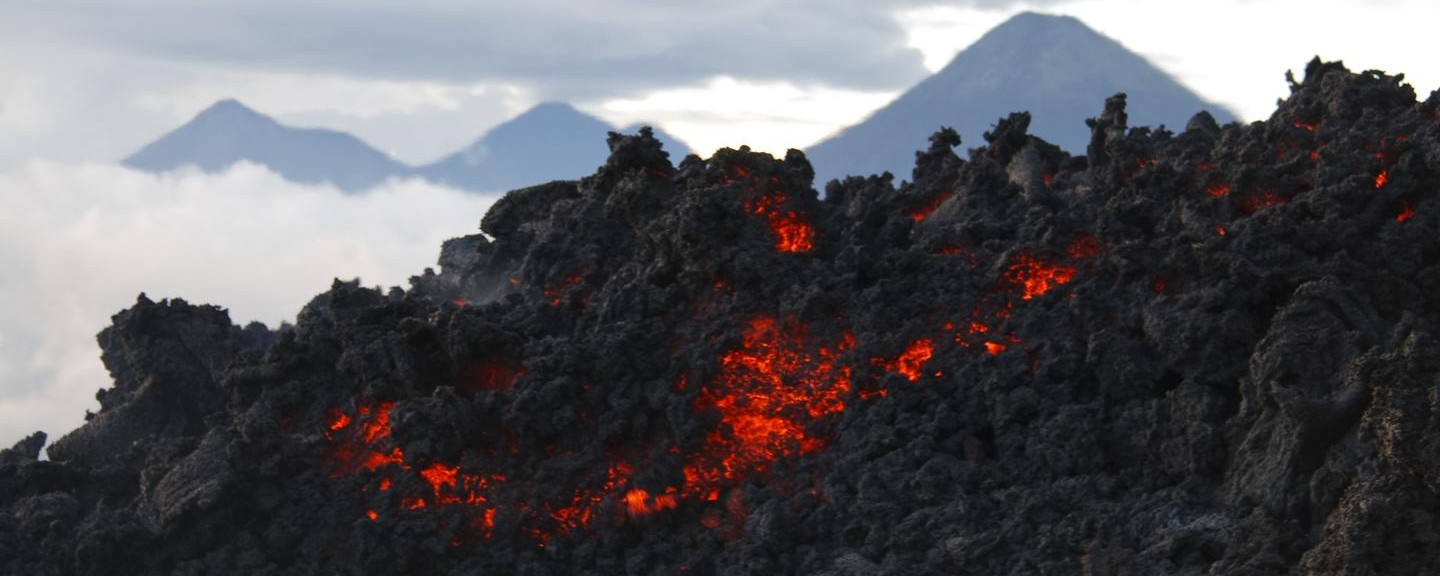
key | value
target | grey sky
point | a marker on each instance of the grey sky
(561, 49)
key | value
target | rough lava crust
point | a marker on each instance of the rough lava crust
(1205, 352)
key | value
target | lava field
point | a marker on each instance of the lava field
(1213, 351)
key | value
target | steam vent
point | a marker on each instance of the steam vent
(1208, 352)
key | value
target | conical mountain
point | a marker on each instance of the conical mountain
(1055, 67)
(551, 141)
(228, 132)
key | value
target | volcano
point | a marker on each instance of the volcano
(1054, 67)
(1205, 352)
(229, 132)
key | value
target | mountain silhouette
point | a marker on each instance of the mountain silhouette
(551, 141)
(548, 142)
(1055, 67)
(228, 132)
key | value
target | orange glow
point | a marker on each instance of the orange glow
(439, 476)
(372, 515)
(923, 212)
(1382, 178)
(376, 459)
(1218, 191)
(910, 361)
(378, 427)
(554, 295)
(868, 394)
(1306, 126)
(638, 502)
(792, 233)
(1035, 277)
(768, 394)
(338, 420)
(367, 448)
(1406, 212)
(994, 348)
(1220, 230)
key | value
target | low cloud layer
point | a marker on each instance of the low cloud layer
(79, 243)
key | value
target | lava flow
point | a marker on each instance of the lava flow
(1209, 351)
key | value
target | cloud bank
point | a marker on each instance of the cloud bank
(80, 242)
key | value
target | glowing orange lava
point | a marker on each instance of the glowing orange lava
(338, 420)
(923, 212)
(1035, 277)
(768, 394)
(1382, 178)
(909, 363)
(1219, 191)
(1406, 212)
(792, 233)
(994, 348)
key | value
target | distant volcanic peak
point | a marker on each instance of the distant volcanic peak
(1055, 67)
(641, 372)
(230, 108)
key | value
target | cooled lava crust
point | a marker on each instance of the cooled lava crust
(1205, 352)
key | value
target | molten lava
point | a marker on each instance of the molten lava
(1035, 277)
(769, 394)
(792, 233)
(1406, 212)
(924, 211)
(910, 362)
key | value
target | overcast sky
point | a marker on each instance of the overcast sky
(84, 83)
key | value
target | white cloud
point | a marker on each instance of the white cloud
(767, 116)
(79, 242)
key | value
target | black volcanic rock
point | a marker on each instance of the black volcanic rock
(1211, 352)
(229, 132)
(1054, 67)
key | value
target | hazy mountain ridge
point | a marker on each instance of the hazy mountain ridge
(227, 132)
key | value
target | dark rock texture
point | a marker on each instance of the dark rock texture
(1211, 352)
